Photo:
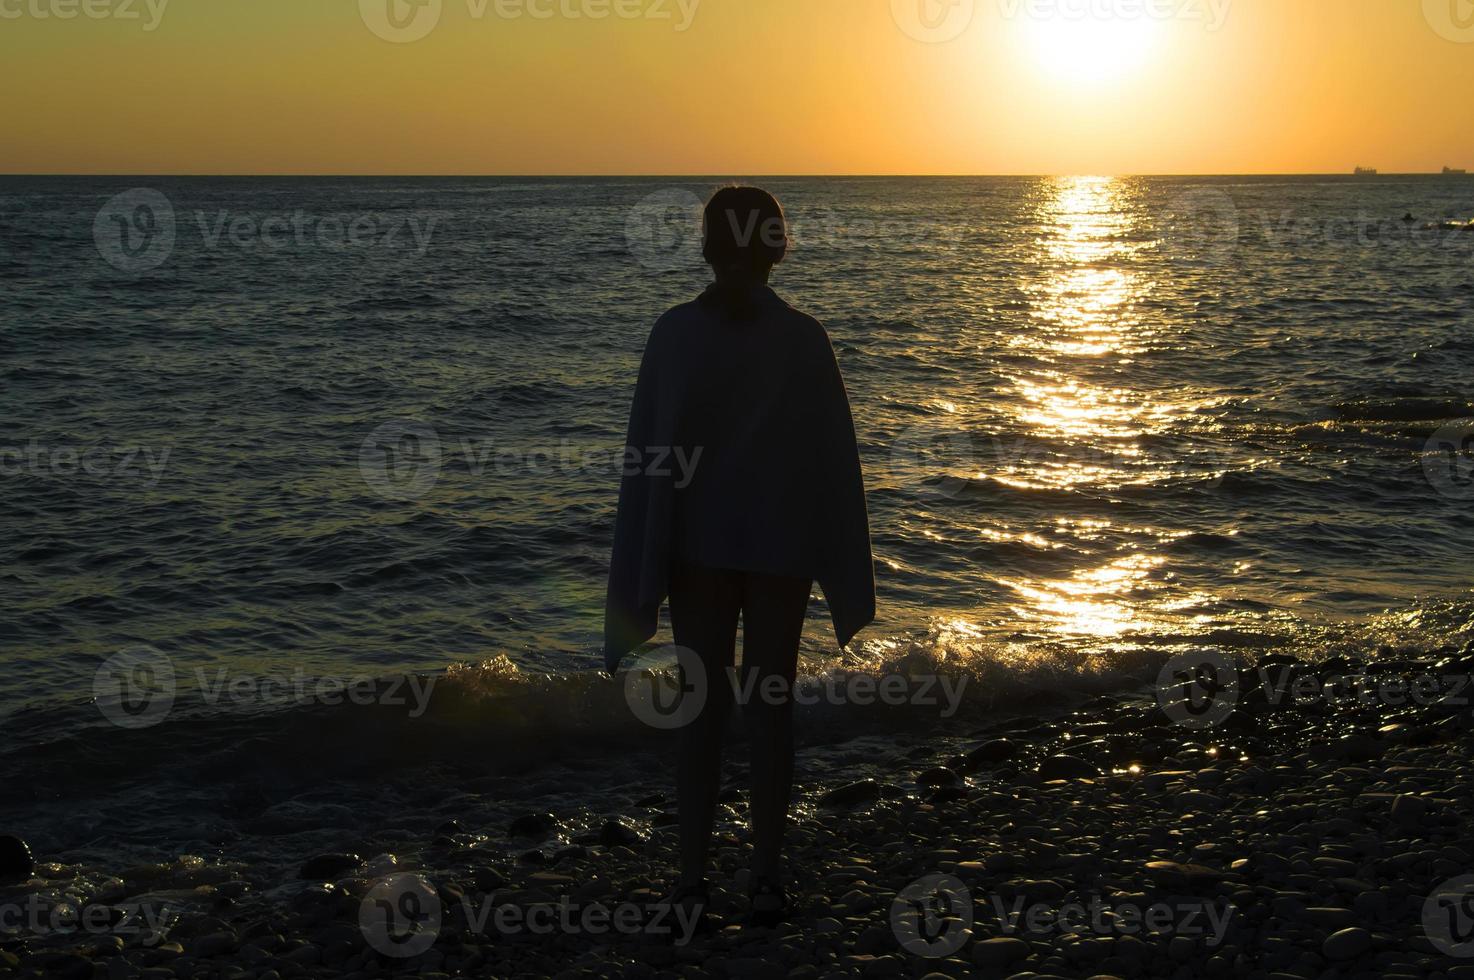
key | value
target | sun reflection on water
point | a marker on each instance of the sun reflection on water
(1085, 430)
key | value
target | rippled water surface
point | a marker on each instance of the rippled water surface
(1100, 418)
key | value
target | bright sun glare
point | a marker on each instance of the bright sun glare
(1091, 48)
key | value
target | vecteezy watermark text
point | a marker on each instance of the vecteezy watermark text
(940, 21)
(406, 21)
(402, 916)
(302, 230)
(131, 464)
(934, 916)
(1201, 689)
(668, 699)
(403, 460)
(129, 10)
(1212, 13)
(219, 687)
(139, 230)
(138, 687)
(1096, 916)
(36, 915)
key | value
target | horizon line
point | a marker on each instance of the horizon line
(711, 176)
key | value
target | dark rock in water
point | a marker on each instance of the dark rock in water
(1338, 666)
(947, 794)
(329, 866)
(487, 879)
(936, 776)
(730, 795)
(864, 791)
(573, 852)
(1067, 767)
(1404, 410)
(532, 824)
(657, 800)
(997, 750)
(15, 858)
(533, 856)
(449, 828)
(616, 832)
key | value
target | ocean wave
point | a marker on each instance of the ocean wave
(1405, 409)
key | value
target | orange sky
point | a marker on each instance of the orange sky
(735, 86)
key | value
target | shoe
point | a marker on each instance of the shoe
(692, 901)
(769, 902)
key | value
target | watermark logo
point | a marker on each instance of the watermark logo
(1198, 690)
(1448, 460)
(401, 21)
(132, 465)
(1448, 917)
(90, 9)
(410, 691)
(303, 230)
(1093, 915)
(933, 21)
(401, 460)
(675, 922)
(933, 916)
(924, 460)
(406, 21)
(49, 915)
(134, 231)
(665, 702)
(135, 688)
(1212, 13)
(400, 916)
(1452, 20)
(1285, 685)
(665, 699)
(1202, 227)
(663, 231)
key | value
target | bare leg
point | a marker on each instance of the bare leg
(772, 622)
(704, 605)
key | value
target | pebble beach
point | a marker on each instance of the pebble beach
(1315, 827)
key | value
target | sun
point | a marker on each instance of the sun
(1091, 48)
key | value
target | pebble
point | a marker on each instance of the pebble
(1408, 811)
(327, 867)
(1347, 944)
(1340, 851)
(995, 750)
(1067, 767)
(852, 794)
(532, 825)
(990, 954)
(615, 833)
(212, 945)
(16, 862)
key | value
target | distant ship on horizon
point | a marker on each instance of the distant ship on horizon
(1448, 171)
(1365, 172)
